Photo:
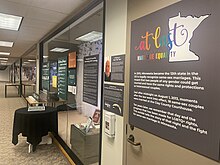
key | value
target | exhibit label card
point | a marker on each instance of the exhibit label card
(174, 81)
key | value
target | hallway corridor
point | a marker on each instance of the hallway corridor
(18, 155)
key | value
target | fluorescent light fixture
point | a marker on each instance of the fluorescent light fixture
(45, 56)
(59, 50)
(31, 60)
(90, 37)
(6, 43)
(2, 58)
(4, 61)
(10, 22)
(26, 62)
(4, 53)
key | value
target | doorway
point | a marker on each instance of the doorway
(150, 147)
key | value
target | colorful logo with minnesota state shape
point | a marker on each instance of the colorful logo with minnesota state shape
(177, 40)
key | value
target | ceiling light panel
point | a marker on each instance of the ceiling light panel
(10, 22)
(59, 50)
(90, 37)
(4, 53)
(6, 43)
(2, 58)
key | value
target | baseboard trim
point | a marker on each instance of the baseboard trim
(62, 149)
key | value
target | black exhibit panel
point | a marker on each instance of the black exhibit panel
(62, 78)
(113, 91)
(90, 79)
(46, 76)
(117, 68)
(113, 98)
(174, 85)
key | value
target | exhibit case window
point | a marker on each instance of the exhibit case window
(28, 73)
(17, 71)
(11, 73)
(72, 71)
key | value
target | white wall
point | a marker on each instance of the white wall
(4, 74)
(115, 43)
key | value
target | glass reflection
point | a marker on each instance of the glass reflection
(74, 74)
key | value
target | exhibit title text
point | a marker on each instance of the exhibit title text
(152, 41)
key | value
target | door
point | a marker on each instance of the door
(143, 148)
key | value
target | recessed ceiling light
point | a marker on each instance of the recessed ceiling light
(6, 43)
(4, 63)
(4, 53)
(90, 37)
(31, 60)
(59, 50)
(2, 58)
(10, 22)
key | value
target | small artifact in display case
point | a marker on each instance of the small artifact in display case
(88, 124)
(96, 117)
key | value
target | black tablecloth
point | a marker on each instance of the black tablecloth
(34, 125)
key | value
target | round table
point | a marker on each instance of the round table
(34, 124)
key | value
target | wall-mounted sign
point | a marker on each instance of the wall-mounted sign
(117, 68)
(46, 76)
(174, 89)
(114, 98)
(53, 74)
(72, 60)
(90, 79)
(62, 78)
(72, 77)
(114, 68)
(54, 81)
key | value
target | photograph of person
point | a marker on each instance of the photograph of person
(107, 70)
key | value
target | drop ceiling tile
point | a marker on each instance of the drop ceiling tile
(5, 49)
(45, 15)
(22, 42)
(30, 34)
(19, 51)
(24, 2)
(38, 24)
(40, 16)
(20, 47)
(55, 5)
(13, 8)
(8, 35)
